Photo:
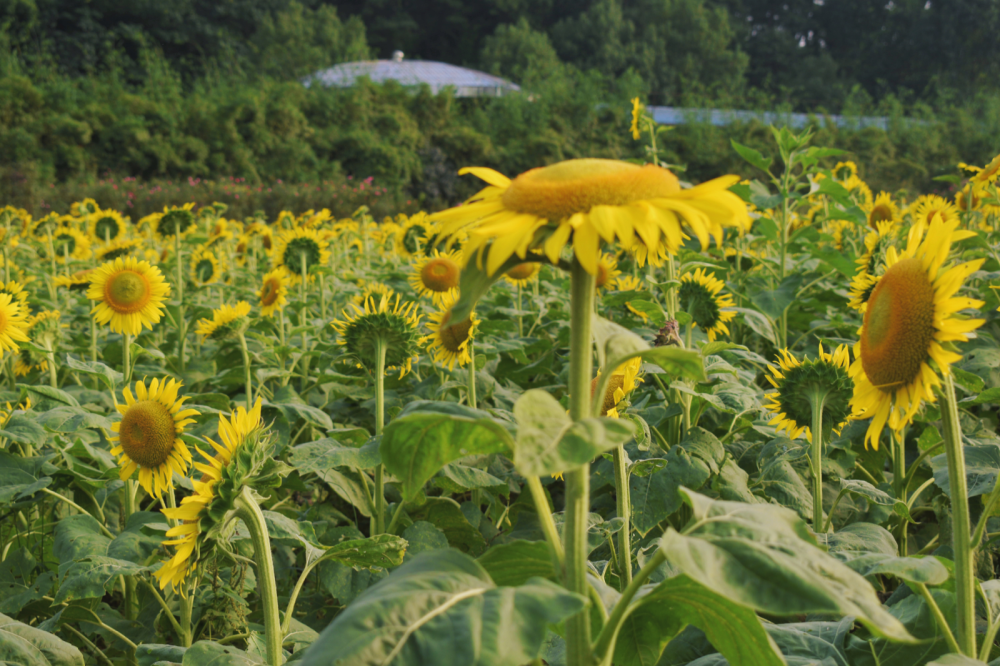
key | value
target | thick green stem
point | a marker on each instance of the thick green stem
(249, 512)
(246, 369)
(303, 319)
(53, 375)
(545, 520)
(817, 400)
(899, 486)
(181, 323)
(126, 358)
(606, 640)
(281, 339)
(939, 618)
(964, 575)
(131, 598)
(578, 481)
(378, 521)
(471, 390)
(624, 503)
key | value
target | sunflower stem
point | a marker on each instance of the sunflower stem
(131, 598)
(249, 512)
(899, 485)
(472, 376)
(379, 517)
(961, 545)
(548, 525)
(322, 297)
(126, 358)
(246, 369)
(303, 319)
(624, 506)
(181, 323)
(281, 339)
(577, 501)
(816, 403)
(53, 375)
(520, 319)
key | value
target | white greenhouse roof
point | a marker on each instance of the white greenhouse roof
(437, 75)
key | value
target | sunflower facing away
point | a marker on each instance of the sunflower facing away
(197, 513)
(699, 296)
(522, 274)
(623, 381)
(435, 275)
(106, 226)
(149, 434)
(205, 267)
(129, 294)
(273, 292)
(78, 281)
(796, 382)
(227, 321)
(584, 202)
(298, 250)
(448, 342)
(383, 321)
(118, 248)
(413, 235)
(12, 324)
(173, 220)
(910, 319)
(68, 242)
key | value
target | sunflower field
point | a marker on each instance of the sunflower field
(593, 416)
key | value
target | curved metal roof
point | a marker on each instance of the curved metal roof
(437, 75)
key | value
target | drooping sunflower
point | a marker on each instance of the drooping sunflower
(149, 434)
(414, 234)
(226, 322)
(797, 382)
(374, 290)
(298, 250)
(13, 322)
(448, 342)
(883, 210)
(383, 322)
(118, 248)
(205, 267)
(435, 275)
(68, 242)
(607, 271)
(173, 220)
(107, 226)
(623, 381)
(699, 293)
(523, 274)
(78, 281)
(129, 294)
(273, 292)
(200, 515)
(585, 202)
(910, 314)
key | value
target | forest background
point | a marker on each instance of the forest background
(141, 103)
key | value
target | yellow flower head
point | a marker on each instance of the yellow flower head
(910, 314)
(149, 435)
(373, 290)
(449, 341)
(299, 250)
(699, 294)
(798, 383)
(12, 324)
(205, 267)
(524, 273)
(637, 109)
(607, 271)
(586, 202)
(926, 207)
(107, 226)
(273, 292)
(226, 322)
(172, 221)
(84, 208)
(845, 170)
(16, 291)
(129, 294)
(414, 234)
(385, 324)
(623, 381)
(882, 211)
(435, 275)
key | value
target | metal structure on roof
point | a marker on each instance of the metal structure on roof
(436, 75)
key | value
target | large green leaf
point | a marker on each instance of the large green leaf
(515, 562)
(107, 376)
(23, 645)
(326, 453)
(663, 610)
(428, 435)
(210, 653)
(982, 464)
(293, 408)
(150, 653)
(446, 514)
(23, 477)
(18, 585)
(23, 429)
(548, 442)
(766, 558)
(956, 660)
(442, 608)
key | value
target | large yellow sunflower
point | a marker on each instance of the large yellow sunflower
(273, 292)
(149, 434)
(129, 294)
(797, 381)
(585, 202)
(910, 314)
(225, 322)
(448, 342)
(298, 250)
(194, 508)
(435, 275)
(699, 294)
(12, 324)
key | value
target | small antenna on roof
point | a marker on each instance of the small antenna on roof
(397, 56)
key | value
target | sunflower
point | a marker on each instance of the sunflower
(43, 227)
(221, 482)
(877, 242)
(374, 290)
(13, 323)
(585, 202)
(414, 234)
(172, 221)
(435, 275)
(522, 274)
(448, 343)
(76, 282)
(129, 294)
(118, 248)
(297, 246)
(859, 191)
(623, 381)
(68, 242)
(910, 314)
(607, 271)
(636, 114)
(845, 170)
(862, 286)
(149, 434)
(227, 321)
(16, 291)
(273, 292)
(84, 208)
(797, 383)
(699, 294)
(205, 267)
(926, 207)
(46, 324)
(984, 175)
(968, 198)
(106, 226)
(385, 323)
(631, 283)
(882, 210)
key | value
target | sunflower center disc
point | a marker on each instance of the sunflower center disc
(127, 291)
(522, 271)
(269, 293)
(575, 186)
(453, 336)
(899, 325)
(440, 275)
(616, 382)
(147, 433)
(879, 214)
